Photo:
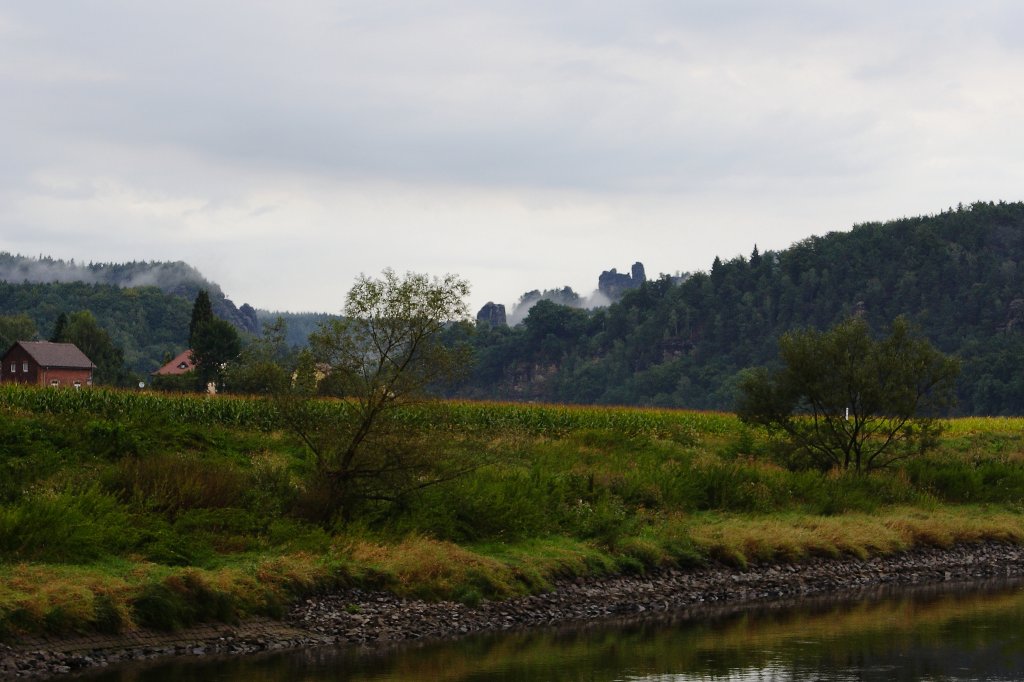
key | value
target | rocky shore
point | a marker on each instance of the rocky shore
(361, 618)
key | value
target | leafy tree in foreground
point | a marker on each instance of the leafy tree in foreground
(385, 352)
(849, 400)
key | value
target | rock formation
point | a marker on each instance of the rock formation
(492, 314)
(614, 284)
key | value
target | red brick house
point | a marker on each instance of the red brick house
(46, 364)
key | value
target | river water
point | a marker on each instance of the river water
(974, 633)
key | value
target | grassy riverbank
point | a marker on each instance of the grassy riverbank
(120, 510)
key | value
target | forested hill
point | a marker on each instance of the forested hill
(144, 307)
(144, 323)
(958, 275)
(171, 277)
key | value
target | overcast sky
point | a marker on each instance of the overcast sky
(283, 148)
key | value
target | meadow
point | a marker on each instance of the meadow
(124, 509)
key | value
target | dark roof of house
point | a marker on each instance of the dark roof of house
(48, 354)
(181, 364)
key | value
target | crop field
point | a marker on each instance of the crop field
(259, 413)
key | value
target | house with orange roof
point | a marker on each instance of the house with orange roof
(181, 364)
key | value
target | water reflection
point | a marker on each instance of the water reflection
(922, 635)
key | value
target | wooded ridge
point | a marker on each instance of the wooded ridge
(958, 276)
(672, 341)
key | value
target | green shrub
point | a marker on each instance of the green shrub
(646, 551)
(108, 616)
(604, 520)
(173, 483)
(66, 527)
(736, 487)
(27, 453)
(271, 489)
(507, 504)
(111, 439)
(181, 600)
(961, 480)
(170, 547)
(292, 535)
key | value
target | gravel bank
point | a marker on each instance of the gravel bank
(357, 618)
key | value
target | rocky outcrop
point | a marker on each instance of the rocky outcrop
(243, 319)
(248, 319)
(492, 314)
(614, 284)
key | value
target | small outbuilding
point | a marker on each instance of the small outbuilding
(44, 363)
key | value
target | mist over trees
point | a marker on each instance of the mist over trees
(564, 296)
(166, 276)
(171, 277)
(144, 306)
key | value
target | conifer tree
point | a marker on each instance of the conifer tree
(202, 312)
(60, 329)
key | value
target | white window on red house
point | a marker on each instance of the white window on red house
(78, 384)
(24, 367)
(54, 382)
(14, 368)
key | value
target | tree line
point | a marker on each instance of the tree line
(957, 276)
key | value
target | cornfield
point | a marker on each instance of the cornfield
(260, 413)
(256, 413)
(557, 420)
(973, 425)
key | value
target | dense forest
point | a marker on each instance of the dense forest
(298, 326)
(672, 341)
(171, 277)
(958, 276)
(145, 323)
(144, 306)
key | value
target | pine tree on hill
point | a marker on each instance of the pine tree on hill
(202, 312)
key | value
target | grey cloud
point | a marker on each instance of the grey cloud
(521, 95)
